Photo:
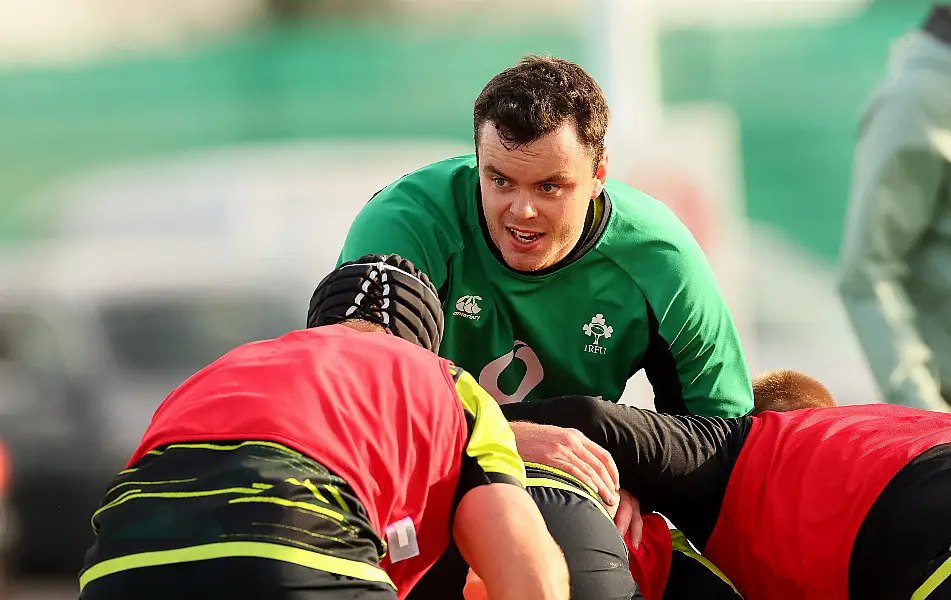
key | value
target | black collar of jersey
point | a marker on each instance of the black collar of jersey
(589, 237)
(938, 23)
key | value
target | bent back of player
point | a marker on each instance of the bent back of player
(332, 462)
(855, 497)
(602, 565)
(665, 565)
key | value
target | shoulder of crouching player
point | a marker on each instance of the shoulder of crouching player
(490, 455)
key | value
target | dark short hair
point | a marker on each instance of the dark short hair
(537, 96)
(781, 391)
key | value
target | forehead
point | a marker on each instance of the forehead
(559, 151)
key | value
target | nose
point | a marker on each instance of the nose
(522, 207)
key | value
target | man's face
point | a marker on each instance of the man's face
(536, 196)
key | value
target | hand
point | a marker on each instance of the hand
(570, 451)
(627, 518)
(475, 588)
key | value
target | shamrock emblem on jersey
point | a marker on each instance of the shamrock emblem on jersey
(598, 328)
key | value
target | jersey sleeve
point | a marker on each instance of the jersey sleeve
(677, 465)
(412, 217)
(694, 359)
(491, 455)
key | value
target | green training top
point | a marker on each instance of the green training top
(638, 294)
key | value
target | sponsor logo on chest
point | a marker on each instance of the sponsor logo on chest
(468, 307)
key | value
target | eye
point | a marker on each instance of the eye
(499, 182)
(550, 188)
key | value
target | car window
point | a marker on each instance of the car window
(33, 374)
(30, 341)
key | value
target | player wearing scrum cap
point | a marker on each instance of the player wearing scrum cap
(331, 462)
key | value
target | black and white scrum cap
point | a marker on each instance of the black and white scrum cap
(383, 289)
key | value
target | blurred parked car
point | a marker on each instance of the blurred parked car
(93, 336)
(148, 271)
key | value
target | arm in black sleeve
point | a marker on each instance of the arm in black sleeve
(676, 465)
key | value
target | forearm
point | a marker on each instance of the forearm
(676, 465)
(647, 446)
(515, 557)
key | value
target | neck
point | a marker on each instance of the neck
(363, 326)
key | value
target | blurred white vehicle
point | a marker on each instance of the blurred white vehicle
(93, 336)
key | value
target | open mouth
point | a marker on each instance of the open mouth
(524, 236)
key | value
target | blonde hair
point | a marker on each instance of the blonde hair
(786, 390)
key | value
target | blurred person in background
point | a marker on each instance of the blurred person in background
(896, 258)
(543, 261)
(331, 462)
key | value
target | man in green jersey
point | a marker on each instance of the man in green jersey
(554, 279)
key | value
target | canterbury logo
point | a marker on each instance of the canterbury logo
(469, 305)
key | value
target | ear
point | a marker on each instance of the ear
(600, 174)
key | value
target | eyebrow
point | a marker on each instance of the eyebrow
(558, 176)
